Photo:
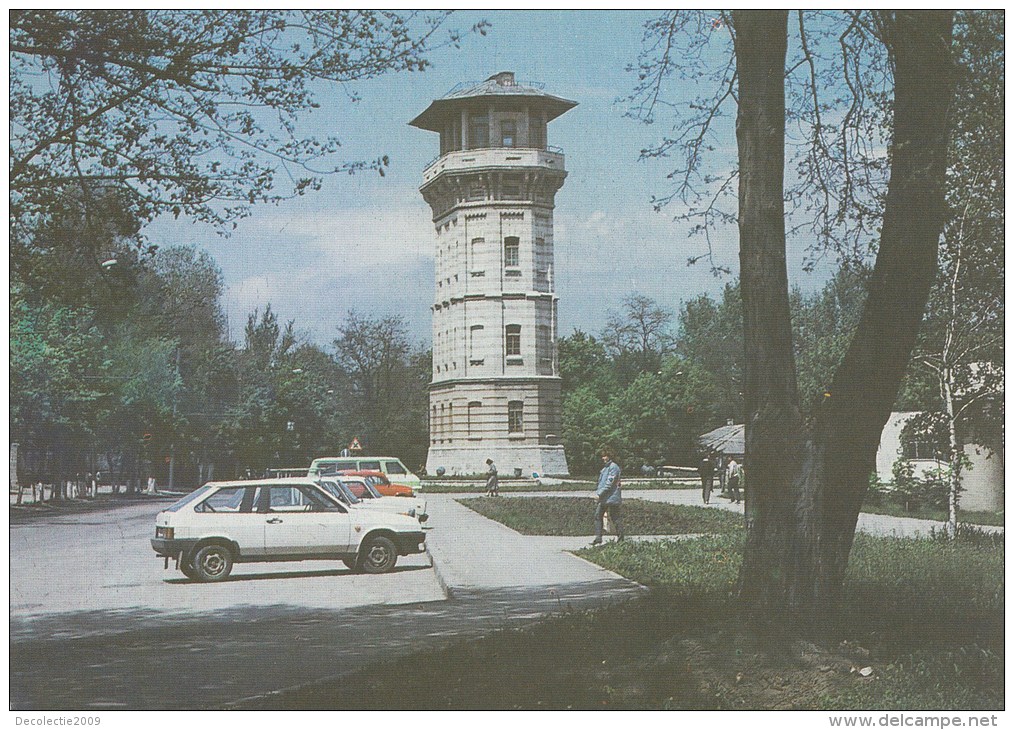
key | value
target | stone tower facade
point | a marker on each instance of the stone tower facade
(495, 391)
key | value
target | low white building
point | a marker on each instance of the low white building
(982, 483)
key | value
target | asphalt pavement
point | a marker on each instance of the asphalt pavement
(96, 622)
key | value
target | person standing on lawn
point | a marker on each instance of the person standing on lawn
(735, 476)
(492, 482)
(609, 498)
(707, 471)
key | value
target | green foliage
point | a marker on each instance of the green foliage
(918, 492)
(574, 516)
(190, 112)
(822, 327)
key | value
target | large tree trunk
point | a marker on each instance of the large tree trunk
(807, 481)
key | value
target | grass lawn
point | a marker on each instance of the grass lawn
(926, 616)
(576, 486)
(571, 516)
(972, 517)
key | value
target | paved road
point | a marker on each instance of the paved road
(97, 623)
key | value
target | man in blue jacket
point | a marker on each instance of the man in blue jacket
(608, 494)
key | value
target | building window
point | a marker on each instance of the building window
(478, 131)
(474, 339)
(921, 450)
(536, 131)
(544, 348)
(515, 416)
(513, 339)
(508, 133)
(473, 419)
(511, 251)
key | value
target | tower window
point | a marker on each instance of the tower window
(478, 131)
(515, 416)
(511, 251)
(473, 419)
(513, 339)
(536, 131)
(508, 133)
(474, 352)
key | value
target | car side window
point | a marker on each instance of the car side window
(299, 498)
(395, 467)
(369, 466)
(230, 499)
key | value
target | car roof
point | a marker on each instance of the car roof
(278, 481)
(355, 458)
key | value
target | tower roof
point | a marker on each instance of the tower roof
(498, 86)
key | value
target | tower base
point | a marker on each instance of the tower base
(467, 460)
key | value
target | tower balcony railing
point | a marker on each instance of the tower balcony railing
(550, 157)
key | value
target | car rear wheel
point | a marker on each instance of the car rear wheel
(213, 563)
(378, 555)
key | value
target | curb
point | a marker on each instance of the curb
(441, 581)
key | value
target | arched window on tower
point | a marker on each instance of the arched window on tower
(513, 340)
(474, 426)
(475, 356)
(515, 416)
(512, 251)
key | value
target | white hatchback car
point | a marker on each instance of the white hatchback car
(269, 520)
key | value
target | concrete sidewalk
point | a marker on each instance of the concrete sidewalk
(871, 524)
(474, 555)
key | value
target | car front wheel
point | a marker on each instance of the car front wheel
(378, 555)
(213, 563)
(187, 568)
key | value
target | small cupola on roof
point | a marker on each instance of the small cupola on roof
(504, 78)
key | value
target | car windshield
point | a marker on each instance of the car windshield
(360, 488)
(194, 495)
(340, 491)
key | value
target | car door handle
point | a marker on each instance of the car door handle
(274, 520)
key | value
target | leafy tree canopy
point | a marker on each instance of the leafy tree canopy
(191, 112)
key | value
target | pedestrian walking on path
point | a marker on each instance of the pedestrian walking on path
(735, 475)
(492, 482)
(707, 471)
(609, 497)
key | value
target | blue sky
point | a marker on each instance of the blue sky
(366, 241)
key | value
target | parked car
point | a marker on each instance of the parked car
(379, 481)
(268, 520)
(389, 465)
(362, 490)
